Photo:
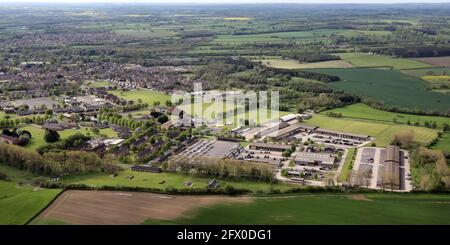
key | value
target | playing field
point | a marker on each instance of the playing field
(319, 209)
(383, 132)
(294, 64)
(371, 60)
(113, 207)
(145, 95)
(19, 204)
(390, 86)
(364, 112)
(165, 180)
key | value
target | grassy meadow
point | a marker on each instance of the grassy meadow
(166, 180)
(364, 112)
(145, 95)
(319, 209)
(20, 203)
(37, 134)
(383, 132)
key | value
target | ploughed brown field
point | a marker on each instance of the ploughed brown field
(437, 61)
(114, 207)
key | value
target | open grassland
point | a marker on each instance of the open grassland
(390, 86)
(294, 64)
(319, 209)
(166, 180)
(365, 112)
(37, 134)
(19, 203)
(443, 143)
(343, 176)
(383, 132)
(436, 61)
(370, 60)
(145, 95)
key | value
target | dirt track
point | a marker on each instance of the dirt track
(114, 207)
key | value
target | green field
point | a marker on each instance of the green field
(383, 132)
(19, 203)
(443, 143)
(294, 64)
(369, 60)
(321, 209)
(426, 72)
(347, 168)
(390, 86)
(174, 180)
(37, 132)
(365, 112)
(298, 35)
(146, 95)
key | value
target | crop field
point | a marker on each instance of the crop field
(166, 180)
(146, 95)
(298, 36)
(390, 86)
(383, 132)
(109, 207)
(365, 112)
(37, 134)
(369, 60)
(437, 71)
(436, 61)
(20, 203)
(293, 64)
(320, 209)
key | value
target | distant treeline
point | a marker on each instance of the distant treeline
(313, 57)
(411, 52)
(303, 74)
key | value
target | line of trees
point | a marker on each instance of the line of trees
(222, 168)
(53, 162)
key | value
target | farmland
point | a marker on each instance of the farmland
(436, 61)
(145, 95)
(370, 60)
(383, 132)
(293, 64)
(364, 112)
(108, 207)
(326, 209)
(20, 203)
(389, 86)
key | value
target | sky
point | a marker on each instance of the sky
(224, 1)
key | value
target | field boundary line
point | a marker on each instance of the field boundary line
(44, 208)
